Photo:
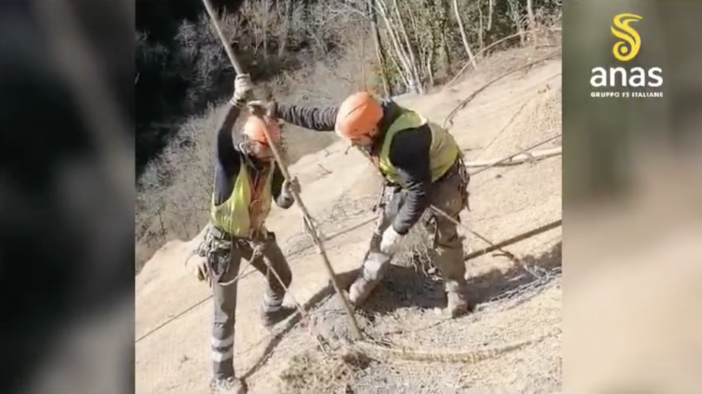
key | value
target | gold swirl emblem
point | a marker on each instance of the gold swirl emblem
(630, 41)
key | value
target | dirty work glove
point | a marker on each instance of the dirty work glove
(199, 267)
(390, 241)
(290, 186)
(263, 108)
(242, 89)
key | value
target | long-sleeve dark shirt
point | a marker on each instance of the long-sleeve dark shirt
(228, 164)
(409, 153)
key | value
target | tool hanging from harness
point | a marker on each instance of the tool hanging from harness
(388, 189)
(465, 180)
(216, 249)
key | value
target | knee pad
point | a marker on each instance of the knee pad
(375, 265)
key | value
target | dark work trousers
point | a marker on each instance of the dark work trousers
(225, 261)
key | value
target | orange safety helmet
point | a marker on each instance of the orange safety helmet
(358, 115)
(254, 129)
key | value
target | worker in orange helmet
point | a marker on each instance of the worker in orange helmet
(246, 180)
(423, 165)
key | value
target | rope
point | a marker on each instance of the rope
(515, 239)
(480, 52)
(484, 239)
(508, 158)
(448, 121)
(241, 276)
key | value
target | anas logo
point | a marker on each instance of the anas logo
(628, 82)
(630, 43)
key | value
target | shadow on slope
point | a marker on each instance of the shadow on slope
(403, 288)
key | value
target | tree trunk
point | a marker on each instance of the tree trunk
(481, 39)
(414, 69)
(398, 67)
(265, 10)
(288, 14)
(447, 55)
(532, 19)
(378, 47)
(466, 45)
(407, 76)
(516, 19)
(491, 6)
(430, 67)
(444, 12)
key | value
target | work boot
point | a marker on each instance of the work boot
(230, 385)
(269, 319)
(458, 304)
(360, 290)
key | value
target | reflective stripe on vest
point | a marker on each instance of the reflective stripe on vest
(444, 149)
(244, 211)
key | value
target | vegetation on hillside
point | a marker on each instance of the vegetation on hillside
(304, 51)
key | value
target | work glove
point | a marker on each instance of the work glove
(290, 186)
(390, 241)
(265, 109)
(199, 267)
(242, 89)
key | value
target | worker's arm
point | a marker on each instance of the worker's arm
(316, 119)
(227, 157)
(409, 153)
(282, 199)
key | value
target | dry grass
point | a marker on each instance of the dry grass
(174, 191)
(312, 373)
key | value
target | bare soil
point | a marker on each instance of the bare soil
(514, 300)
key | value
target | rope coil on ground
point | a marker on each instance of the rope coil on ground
(471, 356)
